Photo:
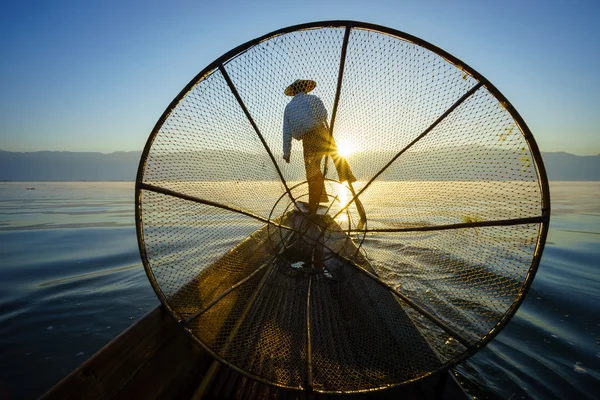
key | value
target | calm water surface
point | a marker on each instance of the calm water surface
(71, 280)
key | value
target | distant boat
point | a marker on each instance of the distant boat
(29, 188)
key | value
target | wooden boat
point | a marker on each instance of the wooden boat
(155, 358)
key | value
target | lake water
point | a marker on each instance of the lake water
(71, 280)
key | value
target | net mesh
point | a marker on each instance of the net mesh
(402, 273)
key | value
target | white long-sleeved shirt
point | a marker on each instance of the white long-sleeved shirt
(303, 113)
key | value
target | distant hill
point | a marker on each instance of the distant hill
(122, 166)
(563, 166)
(68, 166)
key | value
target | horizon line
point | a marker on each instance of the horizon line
(139, 151)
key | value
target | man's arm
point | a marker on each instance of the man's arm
(287, 138)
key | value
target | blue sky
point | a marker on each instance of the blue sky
(96, 76)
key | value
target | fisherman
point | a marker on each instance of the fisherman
(305, 118)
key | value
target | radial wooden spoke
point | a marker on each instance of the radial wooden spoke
(225, 293)
(338, 89)
(309, 367)
(411, 303)
(209, 376)
(239, 283)
(173, 193)
(500, 222)
(260, 136)
(408, 146)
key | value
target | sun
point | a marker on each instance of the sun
(345, 148)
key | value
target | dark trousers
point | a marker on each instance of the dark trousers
(318, 144)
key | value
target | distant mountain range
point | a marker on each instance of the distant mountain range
(122, 166)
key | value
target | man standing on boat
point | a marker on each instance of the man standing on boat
(305, 118)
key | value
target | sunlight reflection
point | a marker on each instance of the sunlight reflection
(344, 196)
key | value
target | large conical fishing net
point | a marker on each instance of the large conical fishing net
(403, 273)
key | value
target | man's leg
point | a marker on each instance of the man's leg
(341, 164)
(313, 157)
(316, 184)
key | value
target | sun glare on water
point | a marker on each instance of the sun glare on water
(343, 194)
